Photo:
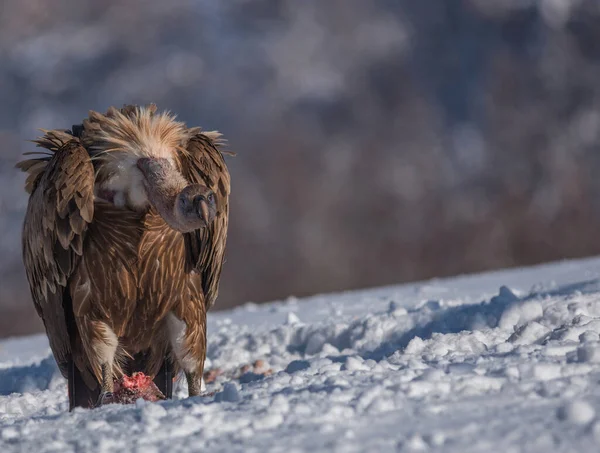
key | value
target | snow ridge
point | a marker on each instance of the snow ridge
(506, 361)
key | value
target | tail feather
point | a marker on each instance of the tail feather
(164, 378)
(80, 395)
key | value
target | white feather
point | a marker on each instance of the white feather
(106, 348)
(177, 330)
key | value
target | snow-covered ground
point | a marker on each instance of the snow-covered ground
(500, 362)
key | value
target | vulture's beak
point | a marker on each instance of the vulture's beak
(203, 211)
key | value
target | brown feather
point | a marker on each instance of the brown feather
(204, 163)
(120, 269)
(47, 236)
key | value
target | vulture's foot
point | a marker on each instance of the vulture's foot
(105, 398)
(194, 381)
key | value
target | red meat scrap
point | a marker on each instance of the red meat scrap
(128, 389)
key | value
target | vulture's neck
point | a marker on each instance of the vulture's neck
(121, 182)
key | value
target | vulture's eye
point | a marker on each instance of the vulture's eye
(211, 197)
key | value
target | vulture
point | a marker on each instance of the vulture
(123, 244)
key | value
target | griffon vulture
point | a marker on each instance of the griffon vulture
(123, 245)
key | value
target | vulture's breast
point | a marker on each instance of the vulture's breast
(132, 274)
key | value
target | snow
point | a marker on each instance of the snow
(578, 412)
(505, 362)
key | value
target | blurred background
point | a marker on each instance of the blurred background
(378, 141)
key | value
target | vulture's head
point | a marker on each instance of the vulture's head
(188, 209)
(139, 163)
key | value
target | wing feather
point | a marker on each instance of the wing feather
(59, 210)
(203, 163)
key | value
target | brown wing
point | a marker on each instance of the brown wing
(203, 164)
(105, 282)
(60, 207)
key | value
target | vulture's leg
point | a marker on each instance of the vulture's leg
(100, 343)
(194, 382)
(188, 341)
(107, 386)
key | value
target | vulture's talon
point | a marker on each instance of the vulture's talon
(105, 398)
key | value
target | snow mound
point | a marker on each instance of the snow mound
(506, 361)
(42, 375)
